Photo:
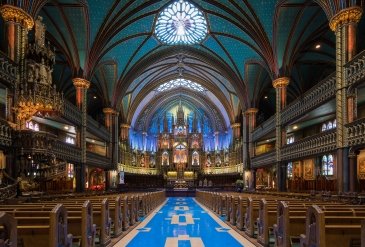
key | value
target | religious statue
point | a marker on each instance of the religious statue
(208, 162)
(43, 73)
(40, 31)
(218, 161)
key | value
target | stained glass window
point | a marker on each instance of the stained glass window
(181, 23)
(180, 83)
(290, 170)
(327, 165)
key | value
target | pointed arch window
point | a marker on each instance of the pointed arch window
(327, 165)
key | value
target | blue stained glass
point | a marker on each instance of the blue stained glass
(181, 23)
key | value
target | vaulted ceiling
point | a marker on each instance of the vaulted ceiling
(249, 43)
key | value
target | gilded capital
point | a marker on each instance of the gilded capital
(235, 125)
(18, 15)
(109, 110)
(281, 82)
(127, 126)
(251, 110)
(81, 83)
(352, 14)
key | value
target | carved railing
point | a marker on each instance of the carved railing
(72, 113)
(356, 132)
(264, 128)
(314, 97)
(97, 129)
(313, 145)
(97, 160)
(223, 169)
(8, 191)
(54, 171)
(34, 142)
(355, 69)
(264, 159)
(66, 151)
(139, 170)
(7, 69)
(5, 133)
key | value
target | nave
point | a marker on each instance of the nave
(181, 222)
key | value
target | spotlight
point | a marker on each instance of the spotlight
(318, 46)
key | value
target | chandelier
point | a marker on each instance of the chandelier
(35, 94)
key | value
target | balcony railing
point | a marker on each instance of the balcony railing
(97, 160)
(72, 113)
(224, 169)
(264, 128)
(313, 145)
(66, 151)
(5, 134)
(355, 69)
(356, 132)
(139, 170)
(264, 159)
(29, 141)
(7, 69)
(314, 97)
(97, 129)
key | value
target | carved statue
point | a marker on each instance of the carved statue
(40, 31)
(43, 73)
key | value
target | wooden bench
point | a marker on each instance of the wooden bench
(322, 230)
(8, 226)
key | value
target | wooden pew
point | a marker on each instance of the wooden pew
(8, 226)
(322, 230)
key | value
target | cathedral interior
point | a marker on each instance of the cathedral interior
(182, 96)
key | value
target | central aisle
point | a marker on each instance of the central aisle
(181, 222)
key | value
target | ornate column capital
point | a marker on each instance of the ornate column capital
(281, 82)
(251, 110)
(81, 83)
(127, 126)
(235, 125)
(18, 15)
(348, 15)
(109, 110)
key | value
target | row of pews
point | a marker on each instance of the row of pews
(78, 221)
(279, 220)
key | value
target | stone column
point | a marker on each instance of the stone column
(111, 123)
(280, 85)
(353, 171)
(17, 25)
(236, 140)
(124, 138)
(81, 86)
(344, 25)
(216, 140)
(251, 124)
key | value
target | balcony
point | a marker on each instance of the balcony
(67, 152)
(5, 134)
(264, 159)
(97, 129)
(356, 132)
(139, 170)
(97, 160)
(355, 69)
(7, 69)
(72, 113)
(264, 128)
(34, 142)
(314, 97)
(310, 146)
(223, 170)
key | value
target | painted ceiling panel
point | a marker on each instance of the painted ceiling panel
(123, 52)
(214, 47)
(97, 15)
(287, 15)
(76, 16)
(144, 51)
(142, 25)
(265, 12)
(220, 25)
(235, 104)
(126, 102)
(238, 52)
